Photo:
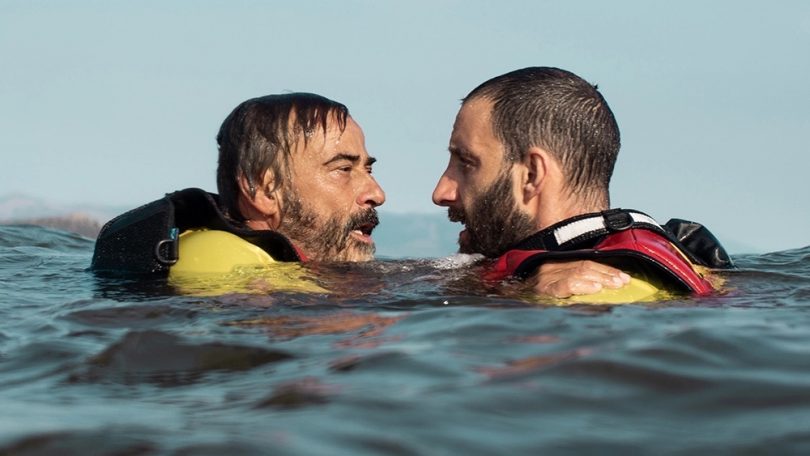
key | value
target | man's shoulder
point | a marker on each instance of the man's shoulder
(216, 251)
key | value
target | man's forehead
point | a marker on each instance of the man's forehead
(473, 125)
(334, 140)
(311, 128)
(349, 136)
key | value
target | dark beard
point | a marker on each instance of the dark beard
(494, 223)
(330, 241)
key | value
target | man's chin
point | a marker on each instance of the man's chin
(356, 251)
(464, 243)
(361, 258)
(353, 248)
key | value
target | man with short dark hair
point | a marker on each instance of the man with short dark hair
(531, 156)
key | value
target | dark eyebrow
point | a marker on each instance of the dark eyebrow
(352, 158)
(343, 156)
(462, 154)
(457, 150)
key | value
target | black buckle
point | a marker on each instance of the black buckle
(617, 220)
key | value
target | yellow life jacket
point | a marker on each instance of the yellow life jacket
(637, 290)
(213, 262)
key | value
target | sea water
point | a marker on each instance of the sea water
(406, 357)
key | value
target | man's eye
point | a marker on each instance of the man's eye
(466, 164)
(368, 169)
(464, 159)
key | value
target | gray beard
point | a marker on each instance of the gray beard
(329, 242)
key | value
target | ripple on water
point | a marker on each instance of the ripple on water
(132, 316)
(297, 394)
(106, 441)
(35, 236)
(29, 362)
(166, 360)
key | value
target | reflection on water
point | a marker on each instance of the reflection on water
(399, 357)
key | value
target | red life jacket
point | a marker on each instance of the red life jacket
(627, 239)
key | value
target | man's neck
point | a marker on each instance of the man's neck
(564, 209)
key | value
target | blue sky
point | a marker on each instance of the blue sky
(112, 102)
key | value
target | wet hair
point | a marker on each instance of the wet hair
(560, 112)
(260, 135)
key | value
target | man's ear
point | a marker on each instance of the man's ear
(257, 201)
(537, 164)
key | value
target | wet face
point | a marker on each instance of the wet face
(329, 204)
(478, 187)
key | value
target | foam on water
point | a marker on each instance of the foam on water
(456, 261)
(403, 357)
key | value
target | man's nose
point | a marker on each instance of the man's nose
(372, 195)
(445, 192)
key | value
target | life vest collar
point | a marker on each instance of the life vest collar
(577, 230)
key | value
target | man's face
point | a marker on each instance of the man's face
(328, 207)
(478, 186)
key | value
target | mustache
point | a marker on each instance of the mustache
(366, 221)
(456, 215)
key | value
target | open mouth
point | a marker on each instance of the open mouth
(464, 239)
(363, 233)
(362, 229)
(368, 228)
(457, 215)
(365, 229)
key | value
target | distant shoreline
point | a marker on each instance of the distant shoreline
(78, 223)
(415, 235)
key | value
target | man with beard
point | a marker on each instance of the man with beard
(531, 156)
(297, 164)
(295, 184)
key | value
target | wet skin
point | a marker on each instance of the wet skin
(329, 205)
(476, 165)
(479, 187)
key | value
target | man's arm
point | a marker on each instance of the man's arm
(567, 278)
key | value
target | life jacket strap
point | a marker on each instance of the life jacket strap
(576, 230)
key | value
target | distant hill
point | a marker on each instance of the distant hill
(76, 218)
(78, 223)
(18, 207)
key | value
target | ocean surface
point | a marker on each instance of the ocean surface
(405, 357)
